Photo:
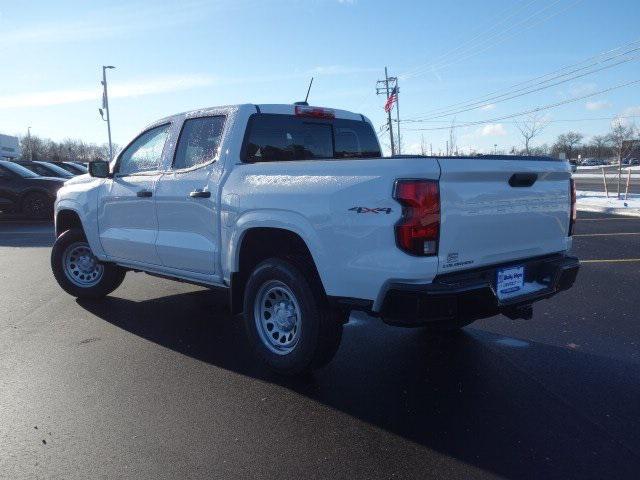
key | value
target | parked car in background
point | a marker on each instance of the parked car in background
(23, 191)
(72, 167)
(46, 169)
(592, 162)
(631, 161)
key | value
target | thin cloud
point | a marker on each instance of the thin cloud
(157, 85)
(339, 70)
(597, 105)
(493, 130)
(116, 90)
(488, 106)
(92, 26)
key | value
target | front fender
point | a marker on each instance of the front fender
(88, 218)
(272, 218)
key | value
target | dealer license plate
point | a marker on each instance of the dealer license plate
(510, 282)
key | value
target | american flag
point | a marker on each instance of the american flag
(393, 98)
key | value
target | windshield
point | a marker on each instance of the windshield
(56, 169)
(19, 169)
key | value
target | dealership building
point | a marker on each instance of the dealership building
(9, 147)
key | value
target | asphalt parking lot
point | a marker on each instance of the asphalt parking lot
(156, 382)
(597, 185)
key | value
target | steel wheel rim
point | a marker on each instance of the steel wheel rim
(80, 266)
(35, 205)
(278, 317)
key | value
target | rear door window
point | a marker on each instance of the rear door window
(355, 140)
(273, 137)
(199, 141)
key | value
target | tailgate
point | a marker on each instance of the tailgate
(491, 213)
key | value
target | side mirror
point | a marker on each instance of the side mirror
(99, 169)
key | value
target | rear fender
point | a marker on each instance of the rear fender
(271, 218)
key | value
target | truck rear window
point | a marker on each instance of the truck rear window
(276, 138)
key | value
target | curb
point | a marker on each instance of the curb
(626, 212)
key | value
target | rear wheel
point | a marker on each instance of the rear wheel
(288, 323)
(37, 205)
(78, 271)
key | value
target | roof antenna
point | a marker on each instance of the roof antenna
(307, 97)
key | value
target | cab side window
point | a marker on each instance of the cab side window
(145, 153)
(199, 141)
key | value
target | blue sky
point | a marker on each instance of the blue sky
(177, 56)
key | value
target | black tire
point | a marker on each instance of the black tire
(112, 275)
(37, 205)
(321, 326)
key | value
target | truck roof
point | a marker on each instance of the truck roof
(274, 108)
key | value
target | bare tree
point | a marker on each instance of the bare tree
(531, 128)
(567, 142)
(423, 146)
(68, 149)
(619, 138)
(599, 144)
(453, 139)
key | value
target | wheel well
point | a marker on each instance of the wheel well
(66, 220)
(257, 245)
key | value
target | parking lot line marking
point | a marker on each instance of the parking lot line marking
(606, 219)
(26, 232)
(612, 260)
(605, 234)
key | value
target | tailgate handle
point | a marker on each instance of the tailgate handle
(523, 179)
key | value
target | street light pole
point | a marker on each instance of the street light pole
(105, 105)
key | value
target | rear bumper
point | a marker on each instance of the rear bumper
(471, 295)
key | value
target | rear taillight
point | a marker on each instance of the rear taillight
(418, 231)
(574, 213)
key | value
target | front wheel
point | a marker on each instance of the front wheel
(37, 205)
(78, 271)
(288, 323)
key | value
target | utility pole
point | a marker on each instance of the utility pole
(397, 112)
(105, 106)
(29, 144)
(385, 90)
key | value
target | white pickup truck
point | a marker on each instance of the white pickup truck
(295, 212)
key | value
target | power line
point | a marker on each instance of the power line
(556, 74)
(504, 18)
(586, 119)
(500, 40)
(499, 36)
(526, 112)
(507, 97)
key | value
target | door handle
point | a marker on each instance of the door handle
(200, 194)
(144, 193)
(523, 179)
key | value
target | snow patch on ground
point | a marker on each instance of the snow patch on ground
(598, 201)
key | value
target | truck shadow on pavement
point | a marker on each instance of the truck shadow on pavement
(515, 408)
